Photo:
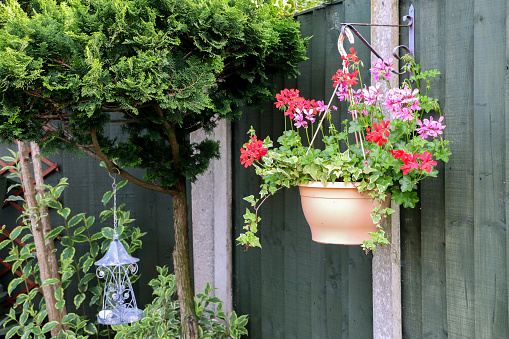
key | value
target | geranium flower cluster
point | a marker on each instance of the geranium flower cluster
(252, 151)
(414, 161)
(380, 133)
(297, 108)
(344, 79)
(430, 127)
(382, 68)
(380, 148)
(372, 95)
(402, 102)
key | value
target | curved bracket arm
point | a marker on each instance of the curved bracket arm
(347, 29)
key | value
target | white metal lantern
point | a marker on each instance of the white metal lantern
(119, 302)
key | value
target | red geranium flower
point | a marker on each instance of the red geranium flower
(349, 57)
(344, 79)
(251, 151)
(380, 133)
(410, 164)
(426, 164)
(410, 161)
(293, 105)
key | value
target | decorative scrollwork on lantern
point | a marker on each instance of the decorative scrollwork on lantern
(119, 302)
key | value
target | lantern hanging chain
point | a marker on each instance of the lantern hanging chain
(114, 187)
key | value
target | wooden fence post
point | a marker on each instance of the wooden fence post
(386, 261)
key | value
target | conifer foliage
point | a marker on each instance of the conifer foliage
(160, 68)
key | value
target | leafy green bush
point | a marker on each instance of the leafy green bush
(161, 318)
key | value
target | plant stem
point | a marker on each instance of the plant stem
(323, 117)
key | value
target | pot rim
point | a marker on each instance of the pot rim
(330, 184)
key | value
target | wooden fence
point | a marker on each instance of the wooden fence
(454, 244)
(294, 287)
(454, 247)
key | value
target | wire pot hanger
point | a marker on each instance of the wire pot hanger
(348, 29)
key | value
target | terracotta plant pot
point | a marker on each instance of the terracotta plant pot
(337, 213)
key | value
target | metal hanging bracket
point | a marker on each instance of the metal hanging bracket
(348, 28)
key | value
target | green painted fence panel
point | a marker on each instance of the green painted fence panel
(454, 243)
(454, 246)
(294, 287)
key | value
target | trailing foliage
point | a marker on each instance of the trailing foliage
(75, 271)
(161, 318)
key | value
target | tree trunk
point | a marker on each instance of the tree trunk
(45, 257)
(182, 265)
(45, 219)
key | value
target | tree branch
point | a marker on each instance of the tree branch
(111, 166)
(106, 108)
(132, 121)
(172, 138)
(60, 62)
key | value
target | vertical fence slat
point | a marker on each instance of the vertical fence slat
(303, 243)
(336, 257)
(411, 270)
(318, 284)
(245, 263)
(489, 170)
(360, 324)
(434, 308)
(292, 270)
(272, 234)
(507, 139)
(459, 205)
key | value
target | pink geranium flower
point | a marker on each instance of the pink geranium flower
(430, 127)
(382, 68)
(372, 95)
(402, 102)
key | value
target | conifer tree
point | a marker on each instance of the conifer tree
(159, 68)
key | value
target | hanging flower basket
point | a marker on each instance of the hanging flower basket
(338, 213)
(391, 141)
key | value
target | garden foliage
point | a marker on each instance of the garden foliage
(161, 69)
(164, 67)
(28, 316)
(79, 281)
(161, 319)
